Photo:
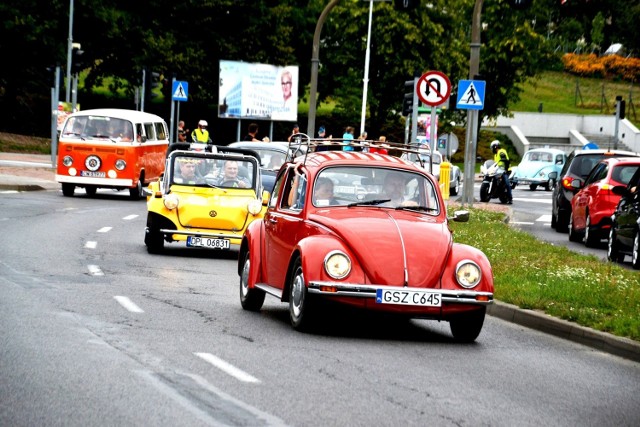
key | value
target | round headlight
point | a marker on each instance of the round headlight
(67, 161)
(337, 264)
(171, 201)
(255, 206)
(468, 274)
(121, 164)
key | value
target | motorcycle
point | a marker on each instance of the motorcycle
(492, 183)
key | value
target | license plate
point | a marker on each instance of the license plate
(407, 297)
(206, 242)
(92, 174)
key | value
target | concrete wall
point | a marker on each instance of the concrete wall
(555, 128)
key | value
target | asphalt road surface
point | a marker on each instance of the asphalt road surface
(98, 332)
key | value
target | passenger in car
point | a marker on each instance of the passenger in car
(323, 193)
(187, 172)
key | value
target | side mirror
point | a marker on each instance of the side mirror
(619, 190)
(553, 175)
(460, 216)
(576, 184)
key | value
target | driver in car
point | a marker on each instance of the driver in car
(230, 177)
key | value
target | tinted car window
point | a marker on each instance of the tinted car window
(598, 173)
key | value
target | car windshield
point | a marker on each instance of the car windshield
(271, 159)
(213, 172)
(536, 156)
(367, 186)
(98, 127)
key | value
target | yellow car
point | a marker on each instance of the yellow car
(205, 199)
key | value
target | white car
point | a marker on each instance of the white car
(423, 159)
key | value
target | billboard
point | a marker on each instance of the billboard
(258, 91)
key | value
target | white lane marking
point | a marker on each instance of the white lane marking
(129, 217)
(91, 245)
(227, 368)
(128, 304)
(9, 192)
(94, 270)
(520, 223)
(104, 229)
(544, 218)
(523, 199)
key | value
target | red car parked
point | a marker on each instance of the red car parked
(593, 205)
(366, 230)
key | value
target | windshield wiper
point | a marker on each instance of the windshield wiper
(416, 208)
(368, 202)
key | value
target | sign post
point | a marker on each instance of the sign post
(179, 93)
(433, 88)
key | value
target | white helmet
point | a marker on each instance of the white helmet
(203, 123)
(495, 145)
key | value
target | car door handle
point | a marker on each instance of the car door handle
(272, 220)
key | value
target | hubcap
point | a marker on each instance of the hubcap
(244, 279)
(297, 289)
(636, 248)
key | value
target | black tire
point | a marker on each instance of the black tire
(613, 247)
(250, 299)
(635, 252)
(533, 187)
(153, 238)
(550, 184)
(136, 192)
(573, 235)
(456, 187)
(554, 221)
(465, 328)
(591, 239)
(301, 304)
(68, 189)
(484, 192)
(90, 190)
(503, 198)
(562, 222)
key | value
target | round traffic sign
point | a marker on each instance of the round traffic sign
(433, 88)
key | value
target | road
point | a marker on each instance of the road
(98, 332)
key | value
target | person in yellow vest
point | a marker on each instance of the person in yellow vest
(501, 157)
(201, 134)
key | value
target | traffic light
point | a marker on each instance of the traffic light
(407, 101)
(152, 81)
(406, 4)
(77, 62)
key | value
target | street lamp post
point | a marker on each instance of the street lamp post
(365, 80)
(315, 59)
(69, 50)
(472, 115)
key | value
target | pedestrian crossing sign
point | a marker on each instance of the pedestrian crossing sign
(471, 94)
(180, 90)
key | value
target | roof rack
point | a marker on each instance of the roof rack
(299, 140)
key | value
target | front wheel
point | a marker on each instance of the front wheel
(533, 187)
(484, 192)
(591, 239)
(574, 236)
(251, 299)
(301, 305)
(466, 327)
(68, 189)
(613, 247)
(153, 237)
(456, 187)
(635, 253)
(90, 190)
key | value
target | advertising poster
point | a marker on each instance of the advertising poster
(258, 91)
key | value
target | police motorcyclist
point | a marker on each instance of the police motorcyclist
(501, 158)
(201, 134)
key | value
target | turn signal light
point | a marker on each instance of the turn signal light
(328, 289)
(566, 183)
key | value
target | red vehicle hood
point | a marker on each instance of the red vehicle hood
(384, 241)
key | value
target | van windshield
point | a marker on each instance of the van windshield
(98, 127)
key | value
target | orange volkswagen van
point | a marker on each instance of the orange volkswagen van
(111, 148)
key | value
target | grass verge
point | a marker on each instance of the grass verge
(537, 275)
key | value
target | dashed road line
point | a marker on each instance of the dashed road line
(91, 245)
(228, 368)
(128, 304)
(130, 217)
(105, 229)
(94, 270)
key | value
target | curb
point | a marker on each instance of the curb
(532, 319)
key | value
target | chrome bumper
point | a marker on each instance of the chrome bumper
(369, 291)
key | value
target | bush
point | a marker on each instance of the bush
(609, 66)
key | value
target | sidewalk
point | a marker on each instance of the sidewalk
(32, 172)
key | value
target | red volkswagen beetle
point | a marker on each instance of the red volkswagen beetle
(366, 230)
